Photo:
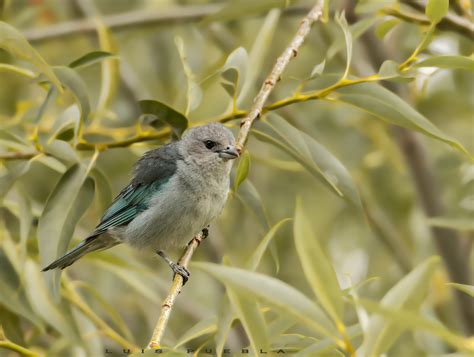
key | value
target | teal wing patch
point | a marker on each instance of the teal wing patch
(129, 203)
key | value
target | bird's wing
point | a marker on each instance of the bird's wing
(152, 171)
(129, 203)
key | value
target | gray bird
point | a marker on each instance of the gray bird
(175, 192)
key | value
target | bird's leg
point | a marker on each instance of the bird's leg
(176, 268)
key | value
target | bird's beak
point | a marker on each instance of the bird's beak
(229, 153)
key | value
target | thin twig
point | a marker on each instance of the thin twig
(246, 124)
(280, 65)
(133, 19)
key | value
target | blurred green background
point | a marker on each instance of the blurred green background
(350, 270)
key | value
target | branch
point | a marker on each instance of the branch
(131, 19)
(246, 124)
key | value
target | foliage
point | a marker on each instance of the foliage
(321, 203)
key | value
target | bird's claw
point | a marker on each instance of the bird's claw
(180, 270)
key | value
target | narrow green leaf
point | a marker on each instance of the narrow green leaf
(194, 93)
(234, 72)
(229, 88)
(389, 70)
(131, 278)
(436, 10)
(251, 199)
(203, 327)
(468, 289)
(341, 20)
(102, 188)
(65, 206)
(408, 294)
(317, 70)
(387, 106)
(177, 121)
(12, 291)
(224, 324)
(110, 71)
(317, 268)
(231, 75)
(327, 345)
(249, 314)
(406, 318)
(257, 255)
(90, 58)
(356, 30)
(108, 308)
(242, 170)
(44, 305)
(448, 62)
(76, 85)
(312, 155)
(385, 27)
(26, 220)
(275, 292)
(15, 170)
(260, 48)
(61, 150)
(11, 40)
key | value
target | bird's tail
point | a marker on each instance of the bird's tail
(88, 245)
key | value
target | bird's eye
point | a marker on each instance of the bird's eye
(209, 144)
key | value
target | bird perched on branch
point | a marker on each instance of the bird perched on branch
(175, 192)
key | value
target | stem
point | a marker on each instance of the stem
(246, 124)
(9, 345)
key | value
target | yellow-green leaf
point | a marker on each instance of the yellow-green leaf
(317, 267)
(387, 106)
(408, 293)
(448, 62)
(66, 204)
(276, 292)
(257, 255)
(242, 170)
(436, 10)
(12, 40)
(203, 327)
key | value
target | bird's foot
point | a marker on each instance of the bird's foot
(176, 268)
(180, 270)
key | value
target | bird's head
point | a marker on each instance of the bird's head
(212, 143)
